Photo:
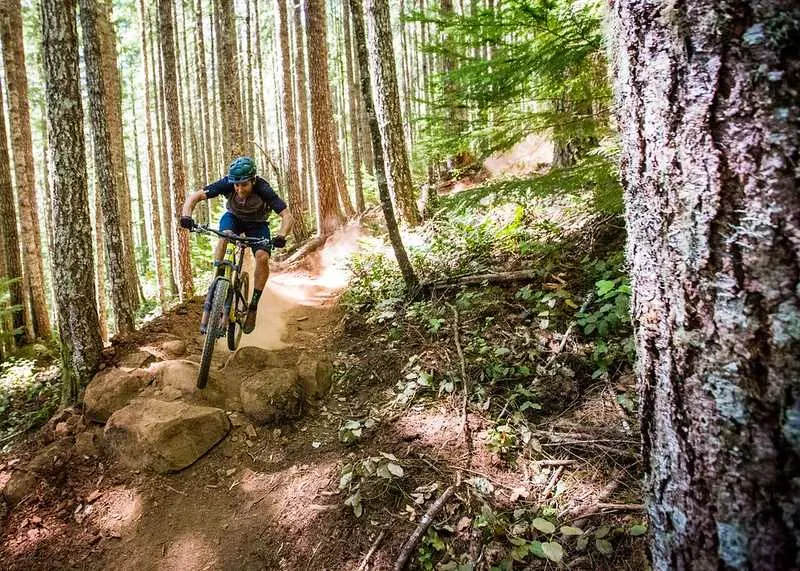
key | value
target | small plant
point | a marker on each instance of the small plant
(352, 430)
(501, 439)
(385, 467)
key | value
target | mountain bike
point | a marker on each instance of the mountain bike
(228, 293)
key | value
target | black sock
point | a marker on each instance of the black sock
(256, 297)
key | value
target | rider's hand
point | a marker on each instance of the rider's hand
(187, 222)
(279, 241)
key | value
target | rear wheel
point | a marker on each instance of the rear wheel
(215, 319)
(241, 291)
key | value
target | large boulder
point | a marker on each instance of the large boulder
(314, 377)
(178, 379)
(271, 396)
(164, 436)
(136, 360)
(112, 389)
(247, 360)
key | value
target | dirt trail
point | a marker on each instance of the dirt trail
(260, 499)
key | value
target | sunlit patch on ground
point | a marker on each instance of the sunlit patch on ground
(115, 512)
(190, 552)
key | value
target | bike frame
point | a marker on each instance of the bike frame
(232, 263)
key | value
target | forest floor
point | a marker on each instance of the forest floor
(363, 464)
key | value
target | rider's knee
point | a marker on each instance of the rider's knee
(262, 256)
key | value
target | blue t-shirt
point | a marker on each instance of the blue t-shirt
(255, 207)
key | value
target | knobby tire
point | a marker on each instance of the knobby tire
(239, 302)
(215, 319)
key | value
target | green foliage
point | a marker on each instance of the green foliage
(28, 396)
(385, 468)
(7, 332)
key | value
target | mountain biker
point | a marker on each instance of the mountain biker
(250, 199)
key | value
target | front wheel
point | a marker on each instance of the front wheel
(216, 317)
(239, 310)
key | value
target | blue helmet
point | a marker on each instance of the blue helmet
(241, 169)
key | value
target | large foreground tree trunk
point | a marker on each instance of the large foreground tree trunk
(708, 110)
(73, 279)
(21, 144)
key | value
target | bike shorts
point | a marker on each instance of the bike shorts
(229, 222)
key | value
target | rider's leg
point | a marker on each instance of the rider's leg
(259, 279)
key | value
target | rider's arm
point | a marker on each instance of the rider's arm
(191, 201)
(286, 222)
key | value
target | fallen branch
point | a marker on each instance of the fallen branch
(425, 522)
(568, 332)
(551, 484)
(368, 556)
(621, 507)
(477, 279)
(311, 245)
(555, 462)
(465, 383)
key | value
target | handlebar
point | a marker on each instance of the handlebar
(231, 238)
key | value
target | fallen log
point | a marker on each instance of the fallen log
(477, 279)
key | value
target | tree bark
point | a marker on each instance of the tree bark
(303, 114)
(38, 325)
(8, 228)
(204, 101)
(707, 95)
(299, 229)
(166, 208)
(328, 212)
(100, 249)
(165, 27)
(233, 133)
(352, 100)
(113, 94)
(74, 273)
(99, 112)
(387, 107)
(155, 218)
(409, 277)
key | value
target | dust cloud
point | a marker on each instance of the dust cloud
(316, 282)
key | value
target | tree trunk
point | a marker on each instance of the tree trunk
(20, 126)
(328, 212)
(708, 107)
(96, 82)
(387, 107)
(144, 244)
(233, 126)
(113, 94)
(406, 269)
(100, 249)
(165, 29)
(155, 218)
(303, 114)
(352, 100)
(167, 219)
(290, 151)
(8, 228)
(73, 281)
(204, 102)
